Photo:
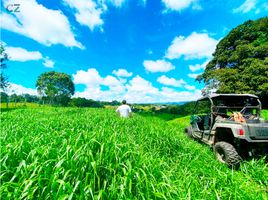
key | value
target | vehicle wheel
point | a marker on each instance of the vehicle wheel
(227, 154)
(189, 132)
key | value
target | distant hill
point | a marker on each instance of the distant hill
(176, 103)
(169, 103)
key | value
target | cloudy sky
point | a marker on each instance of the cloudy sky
(138, 50)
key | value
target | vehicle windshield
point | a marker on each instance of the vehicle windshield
(203, 107)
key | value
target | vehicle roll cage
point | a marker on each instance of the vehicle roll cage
(219, 96)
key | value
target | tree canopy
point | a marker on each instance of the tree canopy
(3, 65)
(55, 87)
(240, 62)
(83, 102)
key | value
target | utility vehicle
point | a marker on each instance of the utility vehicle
(213, 123)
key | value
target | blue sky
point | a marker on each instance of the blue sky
(138, 50)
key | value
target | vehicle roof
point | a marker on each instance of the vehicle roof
(219, 96)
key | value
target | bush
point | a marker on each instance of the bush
(83, 102)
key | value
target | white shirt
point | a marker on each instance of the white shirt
(124, 110)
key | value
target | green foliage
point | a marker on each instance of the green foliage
(17, 101)
(264, 114)
(83, 102)
(55, 87)
(113, 103)
(240, 62)
(3, 81)
(3, 58)
(167, 112)
(72, 153)
(24, 98)
(3, 97)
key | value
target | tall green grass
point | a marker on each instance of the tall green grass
(264, 114)
(70, 153)
(20, 105)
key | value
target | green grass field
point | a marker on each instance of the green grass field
(264, 114)
(19, 105)
(70, 153)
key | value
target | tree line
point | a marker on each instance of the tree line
(73, 102)
(175, 110)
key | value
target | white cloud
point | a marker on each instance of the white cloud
(140, 90)
(122, 80)
(48, 62)
(110, 81)
(93, 82)
(116, 3)
(90, 77)
(19, 89)
(189, 87)
(90, 93)
(193, 75)
(140, 85)
(39, 23)
(247, 6)
(22, 55)
(170, 95)
(114, 84)
(137, 89)
(178, 5)
(122, 73)
(158, 66)
(195, 46)
(198, 67)
(87, 12)
(175, 83)
(170, 81)
(252, 6)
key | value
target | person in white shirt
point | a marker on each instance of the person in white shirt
(124, 110)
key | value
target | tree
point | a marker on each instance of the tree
(83, 102)
(56, 87)
(3, 65)
(115, 103)
(3, 97)
(240, 62)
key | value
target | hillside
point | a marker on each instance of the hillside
(61, 153)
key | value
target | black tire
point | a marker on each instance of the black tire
(189, 132)
(226, 153)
